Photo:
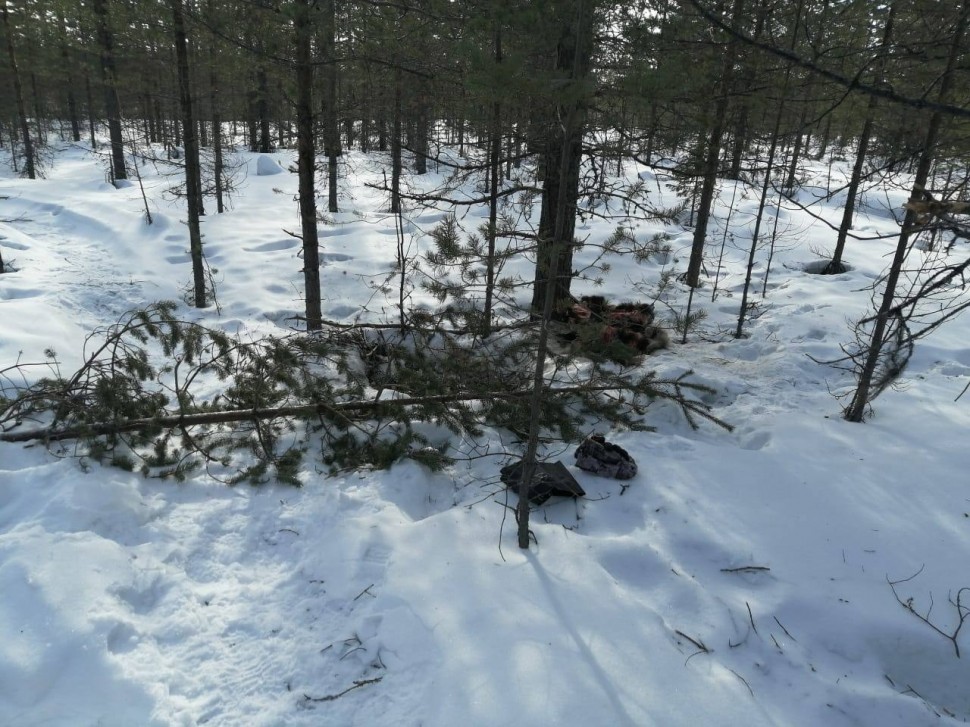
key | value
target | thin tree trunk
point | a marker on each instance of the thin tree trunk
(495, 171)
(54, 434)
(801, 136)
(332, 131)
(112, 107)
(560, 183)
(855, 411)
(711, 162)
(214, 101)
(71, 99)
(579, 54)
(396, 146)
(739, 143)
(193, 182)
(13, 147)
(421, 128)
(835, 266)
(766, 183)
(302, 28)
(92, 122)
(252, 120)
(39, 114)
(262, 111)
(19, 95)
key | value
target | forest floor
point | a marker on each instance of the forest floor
(741, 579)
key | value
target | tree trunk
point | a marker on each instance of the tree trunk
(71, 99)
(262, 111)
(835, 265)
(421, 125)
(306, 152)
(576, 48)
(562, 151)
(92, 123)
(766, 183)
(495, 171)
(112, 107)
(801, 136)
(855, 411)
(396, 146)
(193, 182)
(19, 95)
(214, 101)
(332, 129)
(711, 162)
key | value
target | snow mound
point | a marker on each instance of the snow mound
(266, 166)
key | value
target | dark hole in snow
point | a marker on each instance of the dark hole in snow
(821, 267)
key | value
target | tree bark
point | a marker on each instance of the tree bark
(396, 146)
(19, 94)
(494, 171)
(835, 265)
(855, 411)
(306, 152)
(112, 106)
(71, 99)
(562, 152)
(214, 102)
(580, 37)
(53, 434)
(193, 179)
(332, 130)
(262, 110)
(766, 183)
(713, 153)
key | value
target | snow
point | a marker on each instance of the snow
(267, 166)
(132, 601)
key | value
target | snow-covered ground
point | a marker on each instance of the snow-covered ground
(741, 579)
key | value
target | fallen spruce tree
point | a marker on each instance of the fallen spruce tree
(166, 396)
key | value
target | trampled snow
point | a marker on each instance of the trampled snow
(741, 579)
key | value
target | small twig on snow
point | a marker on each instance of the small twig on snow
(963, 611)
(696, 642)
(747, 569)
(330, 697)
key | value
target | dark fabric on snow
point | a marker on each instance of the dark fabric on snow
(603, 458)
(549, 478)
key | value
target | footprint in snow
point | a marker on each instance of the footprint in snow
(335, 257)
(755, 440)
(4, 242)
(16, 293)
(122, 638)
(142, 598)
(336, 231)
(274, 246)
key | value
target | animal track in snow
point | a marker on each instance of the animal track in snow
(122, 639)
(143, 599)
(336, 231)
(342, 311)
(755, 440)
(274, 246)
(17, 293)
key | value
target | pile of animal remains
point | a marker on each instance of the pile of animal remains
(619, 332)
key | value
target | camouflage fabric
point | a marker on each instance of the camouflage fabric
(549, 479)
(602, 458)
